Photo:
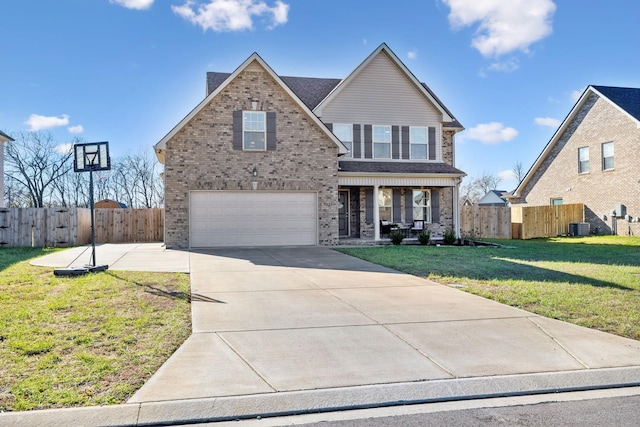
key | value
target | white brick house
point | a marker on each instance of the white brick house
(593, 159)
(274, 160)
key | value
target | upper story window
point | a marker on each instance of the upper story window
(583, 160)
(556, 201)
(418, 138)
(607, 156)
(381, 142)
(254, 130)
(344, 133)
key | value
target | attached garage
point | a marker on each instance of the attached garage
(246, 218)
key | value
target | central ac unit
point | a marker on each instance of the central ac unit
(579, 229)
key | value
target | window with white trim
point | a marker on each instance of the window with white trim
(583, 160)
(254, 130)
(344, 133)
(418, 140)
(385, 204)
(607, 156)
(381, 142)
(422, 205)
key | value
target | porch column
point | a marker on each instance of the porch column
(456, 208)
(376, 214)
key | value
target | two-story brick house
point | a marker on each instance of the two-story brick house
(274, 160)
(593, 159)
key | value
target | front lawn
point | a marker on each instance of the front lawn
(589, 281)
(88, 340)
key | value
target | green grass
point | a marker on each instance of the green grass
(88, 340)
(589, 281)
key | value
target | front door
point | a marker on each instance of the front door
(343, 212)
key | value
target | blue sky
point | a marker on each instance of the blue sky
(127, 71)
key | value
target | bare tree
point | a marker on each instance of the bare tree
(474, 189)
(35, 161)
(519, 172)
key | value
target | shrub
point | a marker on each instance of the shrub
(424, 237)
(396, 236)
(449, 236)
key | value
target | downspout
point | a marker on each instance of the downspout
(456, 207)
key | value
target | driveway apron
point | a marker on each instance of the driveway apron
(280, 320)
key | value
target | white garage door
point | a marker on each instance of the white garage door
(222, 218)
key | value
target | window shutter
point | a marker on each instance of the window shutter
(397, 206)
(408, 206)
(395, 142)
(271, 131)
(368, 142)
(435, 206)
(237, 130)
(356, 148)
(368, 196)
(405, 142)
(432, 143)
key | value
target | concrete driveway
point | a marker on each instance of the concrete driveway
(292, 320)
(289, 330)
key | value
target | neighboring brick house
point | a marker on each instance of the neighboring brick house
(272, 160)
(593, 158)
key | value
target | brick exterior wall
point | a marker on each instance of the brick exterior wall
(597, 122)
(201, 157)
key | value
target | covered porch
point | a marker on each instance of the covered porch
(370, 206)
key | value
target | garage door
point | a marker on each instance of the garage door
(221, 218)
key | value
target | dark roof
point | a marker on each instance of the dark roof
(398, 167)
(625, 97)
(312, 90)
(5, 136)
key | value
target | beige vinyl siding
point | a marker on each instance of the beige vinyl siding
(381, 94)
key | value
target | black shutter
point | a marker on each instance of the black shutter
(271, 131)
(405, 142)
(368, 215)
(395, 142)
(356, 148)
(397, 206)
(368, 142)
(432, 143)
(435, 206)
(408, 206)
(237, 130)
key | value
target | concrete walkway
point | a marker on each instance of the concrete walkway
(293, 330)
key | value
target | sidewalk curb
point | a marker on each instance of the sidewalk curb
(326, 400)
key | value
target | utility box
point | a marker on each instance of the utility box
(621, 210)
(579, 229)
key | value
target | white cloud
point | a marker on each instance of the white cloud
(63, 148)
(507, 66)
(75, 129)
(575, 95)
(231, 15)
(547, 122)
(412, 54)
(507, 175)
(134, 4)
(37, 122)
(492, 133)
(503, 26)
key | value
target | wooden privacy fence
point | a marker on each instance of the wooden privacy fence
(491, 222)
(531, 222)
(62, 227)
